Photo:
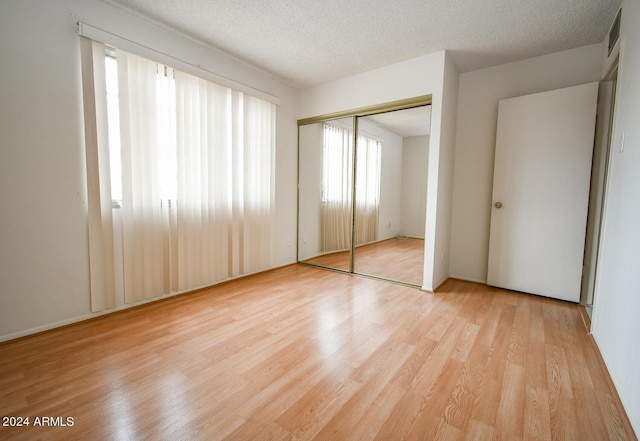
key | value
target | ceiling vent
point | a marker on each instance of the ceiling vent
(611, 46)
(614, 34)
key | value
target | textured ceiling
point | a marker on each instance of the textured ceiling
(309, 42)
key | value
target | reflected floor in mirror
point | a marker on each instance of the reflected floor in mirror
(398, 258)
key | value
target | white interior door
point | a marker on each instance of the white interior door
(544, 146)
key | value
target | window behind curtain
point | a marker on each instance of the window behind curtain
(190, 168)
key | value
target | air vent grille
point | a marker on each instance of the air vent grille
(614, 33)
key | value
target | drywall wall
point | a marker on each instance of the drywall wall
(407, 79)
(440, 175)
(615, 323)
(419, 76)
(44, 257)
(415, 159)
(478, 98)
(389, 219)
(389, 213)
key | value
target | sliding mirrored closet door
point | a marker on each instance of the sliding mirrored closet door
(362, 192)
(325, 193)
(391, 194)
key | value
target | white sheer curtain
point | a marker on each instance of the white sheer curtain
(225, 182)
(258, 214)
(204, 176)
(100, 220)
(141, 150)
(197, 180)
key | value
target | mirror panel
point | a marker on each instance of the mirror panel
(391, 183)
(362, 178)
(325, 193)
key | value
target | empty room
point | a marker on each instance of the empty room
(319, 220)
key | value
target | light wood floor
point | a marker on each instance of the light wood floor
(304, 353)
(396, 259)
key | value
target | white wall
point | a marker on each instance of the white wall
(440, 175)
(478, 98)
(419, 76)
(617, 300)
(389, 212)
(310, 138)
(415, 159)
(44, 257)
(407, 79)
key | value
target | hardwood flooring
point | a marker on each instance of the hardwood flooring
(398, 258)
(303, 353)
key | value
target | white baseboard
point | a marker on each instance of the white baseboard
(468, 279)
(91, 315)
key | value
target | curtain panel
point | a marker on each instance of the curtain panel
(100, 220)
(197, 177)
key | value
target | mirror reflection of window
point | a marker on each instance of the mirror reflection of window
(337, 160)
(337, 182)
(368, 189)
(384, 167)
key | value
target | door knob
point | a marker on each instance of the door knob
(498, 205)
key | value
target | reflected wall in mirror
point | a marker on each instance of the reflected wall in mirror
(325, 193)
(391, 186)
